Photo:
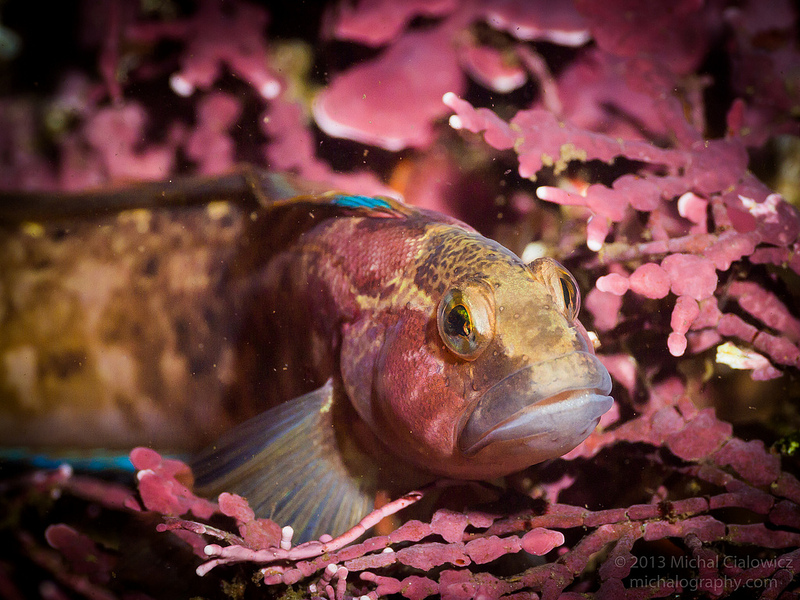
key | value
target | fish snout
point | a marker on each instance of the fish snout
(542, 410)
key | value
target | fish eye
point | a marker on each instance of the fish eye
(570, 294)
(561, 284)
(465, 319)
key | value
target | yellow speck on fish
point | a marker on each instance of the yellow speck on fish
(327, 406)
(218, 209)
(34, 230)
(140, 217)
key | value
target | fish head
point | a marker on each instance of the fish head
(542, 390)
(498, 374)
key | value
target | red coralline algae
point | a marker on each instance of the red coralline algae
(613, 283)
(497, 132)
(541, 541)
(424, 65)
(256, 533)
(687, 437)
(730, 247)
(450, 525)
(292, 149)
(693, 207)
(701, 436)
(536, 20)
(616, 138)
(83, 554)
(605, 308)
(691, 261)
(544, 141)
(649, 280)
(769, 69)
(485, 550)
(491, 68)
(365, 105)
(161, 491)
(608, 103)
(751, 460)
(677, 34)
(766, 305)
(376, 22)
(425, 556)
(218, 34)
(210, 144)
(781, 350)
(684, 314)
(114, 133)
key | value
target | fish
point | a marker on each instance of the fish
(320, 348)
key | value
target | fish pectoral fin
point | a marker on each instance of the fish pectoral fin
(287, 462)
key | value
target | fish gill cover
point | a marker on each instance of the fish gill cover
(651, 147)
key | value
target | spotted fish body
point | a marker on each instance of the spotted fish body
(376, 344)
(116, 327)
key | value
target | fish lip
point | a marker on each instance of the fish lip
(537, 403)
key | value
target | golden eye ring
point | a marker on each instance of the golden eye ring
(465, 319)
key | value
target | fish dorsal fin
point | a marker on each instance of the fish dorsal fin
(278, 225)
(289, 465)
(338, 203)
(375, 206)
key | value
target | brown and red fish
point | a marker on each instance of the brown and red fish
(347, 343)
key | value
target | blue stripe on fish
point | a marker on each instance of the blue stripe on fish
(361, 202)
(89, 461)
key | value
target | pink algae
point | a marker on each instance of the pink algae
(620, 150)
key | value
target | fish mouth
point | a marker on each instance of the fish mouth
(550, 406)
